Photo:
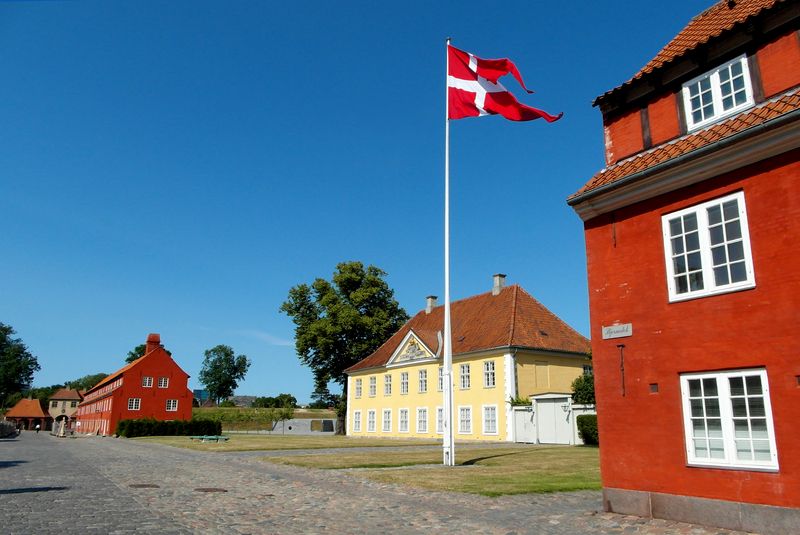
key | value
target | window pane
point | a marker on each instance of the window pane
(733, 230)
(712, 408)
(715, 428)
(738, 272)
(739, 407)
(741, 98)
(718, 255)
(679, 264)
(736, 251)
(741, 429)
(698, 428)
(681, 285)
(761, 450)
(753, 385)
(701, 447)
(705, 84)
(756, 406)
(743, 452)
(730, 210)
(721, 276)
(716, 235)
(737, 386)
(717, 449)
(709, 387)
(697, 408)
(727, 103)
(736, 68)
(759, 428)
(690, 222)
(696, 281)
(714, 215)
(694, 388)
(675, 227)
(694, 261)
(677, 245)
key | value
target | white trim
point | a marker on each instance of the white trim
(396, 353)
(134, 404)
(357, 420)
(496, 419)
(460, 430)
(716, 95)
(419, 382)
(387, 384)
(400, 420)
(439, 428)
(166, 382)
(383, 420)
(509, 392)
(358, 388)
(175, 408)
(427, 421)
(492, 373)
(147, 381)
(373, 420)
(462, 376)
(404, 383)
(373, 386)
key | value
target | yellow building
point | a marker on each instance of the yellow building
(505, 345)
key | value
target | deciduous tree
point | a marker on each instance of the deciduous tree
(222, 370)
(138, 352)
(17, 364)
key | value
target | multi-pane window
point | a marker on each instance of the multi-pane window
(441, 378)
(358, 388)
(423, 381)
(464, 376)
(490, 419)
(708, 249)
(439, 420)
(387, 420)
(422, 420)
(728, 419)
(717, 94)
(357, 421)
(134, 404)
(54, 404)
(588, 370)
(465, 419)
(404, 383)
(73, 404)
(163, 382)
(371, 421)
(488, 374)
(402, 420)
(172, 405)
(147, 382)
(373, 386)
(387, 385)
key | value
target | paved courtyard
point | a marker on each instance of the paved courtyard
(106, 485)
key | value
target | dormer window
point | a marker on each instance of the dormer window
(717, 94)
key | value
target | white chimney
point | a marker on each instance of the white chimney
(499, 282)
(430, 304)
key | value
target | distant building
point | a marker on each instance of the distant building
(153, 386)
(28, 413)
(62, 406)
(201, 396)
(691, 237)
(505, 345)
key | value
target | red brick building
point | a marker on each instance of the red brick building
(694, 277)
(153, 386)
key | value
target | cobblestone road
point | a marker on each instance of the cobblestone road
(106, 485)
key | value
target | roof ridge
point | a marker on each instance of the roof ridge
(553, 314)
(513, 316)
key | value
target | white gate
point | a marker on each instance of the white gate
(524, 425)
(553, 419)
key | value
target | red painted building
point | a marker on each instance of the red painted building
(694, 276)
(153, 386)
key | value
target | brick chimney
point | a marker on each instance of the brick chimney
(499, 282)
(430, 304)
(153, 342)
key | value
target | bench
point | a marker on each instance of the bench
(209, 438)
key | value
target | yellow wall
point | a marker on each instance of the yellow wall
(475, 397)
(539, 373)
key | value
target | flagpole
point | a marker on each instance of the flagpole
(448, 441)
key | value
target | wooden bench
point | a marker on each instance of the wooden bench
(209, 438)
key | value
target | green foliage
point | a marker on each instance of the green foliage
(227, 403)
(222, 370)
(138, 352)
(17, 364)
(43, 394)
(87, 381)
(518, 401)
(583, 389)
(340, 322)
(587, 429)
(147, 427)
(281, 400)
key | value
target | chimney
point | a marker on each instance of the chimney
(499, 282)
(430, 304)
(153, 342)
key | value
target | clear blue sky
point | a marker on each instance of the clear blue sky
(175, 167)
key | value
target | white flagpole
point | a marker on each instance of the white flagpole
(448, 441)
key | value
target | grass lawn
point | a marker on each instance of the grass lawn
(239, 442)
(487, 471)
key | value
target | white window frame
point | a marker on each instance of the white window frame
(465, 424)
(486, 429)
(134, 404)
(402, 423)
(359, 387)
(172, 405)
(422, 419)
(441, 378)
(709, 284)
(386, 421)
(423, 381)
(439, 420)
(356, 421)
(163, 382)
(147, 382)
(464, 381)
(403, 383)
(728, 438)
(387, 384)
(373, 386)
(716, 94)
(489, 376)
(371, 421)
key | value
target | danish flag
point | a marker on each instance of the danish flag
(473, 89)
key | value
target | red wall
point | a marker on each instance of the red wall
(642, 433)
(623, 136)
(663, 119)
(779, 63)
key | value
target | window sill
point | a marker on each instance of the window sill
(699, 295)
(736, 467)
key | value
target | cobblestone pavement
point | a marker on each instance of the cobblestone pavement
(106, 485)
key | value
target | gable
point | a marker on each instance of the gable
(411, 349)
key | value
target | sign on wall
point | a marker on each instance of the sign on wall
(621, 330)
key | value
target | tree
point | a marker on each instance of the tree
(87, 381)
(340, 322)
(222, 371)
(583, 389)
(138, 352)
(280, 401)
(17, 364)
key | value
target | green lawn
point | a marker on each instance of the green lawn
(241, 442)
(487, 471)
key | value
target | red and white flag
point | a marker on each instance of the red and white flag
(473, 89)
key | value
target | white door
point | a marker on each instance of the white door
(524, 425)
(553, 421)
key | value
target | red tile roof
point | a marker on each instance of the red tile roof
(26, 408)
(711, 23)
(111, 377)
(67, 394)
(684, 145)
(486, 321)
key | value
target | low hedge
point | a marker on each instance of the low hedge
(146, 427)
(587, 429)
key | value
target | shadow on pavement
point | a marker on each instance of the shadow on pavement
(9, 464)
(31, 489)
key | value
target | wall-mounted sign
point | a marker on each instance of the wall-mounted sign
(618, 331)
